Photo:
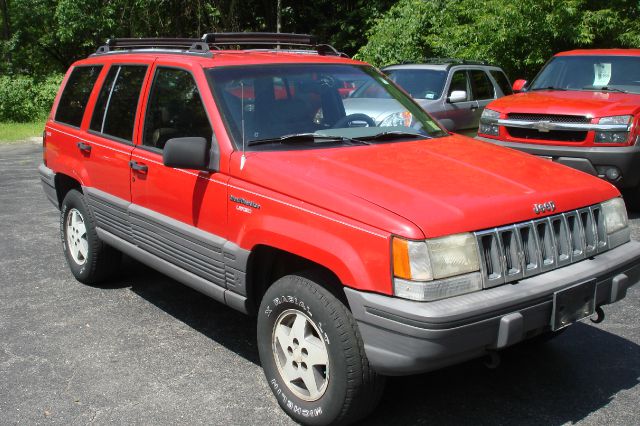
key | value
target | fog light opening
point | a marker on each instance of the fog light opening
(612, 173)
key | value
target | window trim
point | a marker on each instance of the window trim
(155, 68)
(102, 66)
(472, 84)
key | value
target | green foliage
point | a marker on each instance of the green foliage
(519, 36)
(25, 99)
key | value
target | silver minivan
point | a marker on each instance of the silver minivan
(453, 91)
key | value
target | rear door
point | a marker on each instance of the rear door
(482, 91)
(176, 214)
(109, 136)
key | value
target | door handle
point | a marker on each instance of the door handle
(138, 167)
(84, 147)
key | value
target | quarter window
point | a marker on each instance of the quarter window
(175, 109)
(76, 94)
(115, 111)
(482, 87)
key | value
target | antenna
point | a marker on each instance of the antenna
(243, 159)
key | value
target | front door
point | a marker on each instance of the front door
(178, 215)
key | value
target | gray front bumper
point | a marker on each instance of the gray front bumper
(586, 159)
(406, 337)
(47, 176)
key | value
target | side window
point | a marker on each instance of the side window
(458, 82)
(174, 109)
(115, 111)
(502, 81)
(482, 86)
(76, 94)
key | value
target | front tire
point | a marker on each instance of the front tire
(91, 261)
(313, 356)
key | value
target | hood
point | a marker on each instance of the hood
(579, 102)
(438, 186)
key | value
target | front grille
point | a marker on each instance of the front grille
(553, 135)
(555, 118)
(525, 249)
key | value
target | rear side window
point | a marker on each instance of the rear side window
(115, 111)
(502, 81)
(174, 109)
(482, 86)
(76, 94)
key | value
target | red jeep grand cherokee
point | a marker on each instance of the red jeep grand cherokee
(582, 110)
(363, 251)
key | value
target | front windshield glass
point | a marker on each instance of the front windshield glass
(287, 106)
(613, 73)
(420, 84)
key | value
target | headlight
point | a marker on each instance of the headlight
(436, 268)
(607, 136)
(398, 119)
(615, 215)
(489, 115)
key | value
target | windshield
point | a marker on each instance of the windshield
(615, 73)
(420, 84)
(299, 105)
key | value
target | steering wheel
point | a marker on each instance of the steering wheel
(347, 120)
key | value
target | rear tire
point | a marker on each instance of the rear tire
(313, 356)
(91, 261)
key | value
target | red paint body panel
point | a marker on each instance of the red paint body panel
(338, 207)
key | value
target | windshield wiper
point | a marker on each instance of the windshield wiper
(605, 88)
(548, 88)
(386, 136)
(304, 137)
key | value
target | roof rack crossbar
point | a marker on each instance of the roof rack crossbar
(191, 45)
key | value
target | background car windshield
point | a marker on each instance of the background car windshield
(420, 84)
(590, 73)
(275, 101)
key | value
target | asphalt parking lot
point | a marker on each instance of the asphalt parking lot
(147, 350)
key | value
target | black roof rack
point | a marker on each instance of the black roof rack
(204, 44)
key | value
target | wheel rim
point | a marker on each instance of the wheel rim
(76, 233)
(301, 355)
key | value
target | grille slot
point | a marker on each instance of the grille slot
(555, 118)
(525, 249)
(552, 135)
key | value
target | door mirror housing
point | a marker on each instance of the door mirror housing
(519, 85)
(457, 96)
(187, 153)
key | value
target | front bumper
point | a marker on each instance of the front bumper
(405, 337)
(586, 159)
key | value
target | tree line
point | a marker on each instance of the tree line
(39, 39)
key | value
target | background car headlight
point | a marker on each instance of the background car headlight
(488, 122)
(616, 136)
(436, 268)
(398, 119)
(615, 215)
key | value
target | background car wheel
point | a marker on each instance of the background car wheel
(313, 356)
(90, 260)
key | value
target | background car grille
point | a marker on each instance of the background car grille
(525, 249)
(553, 135)
(556, 118)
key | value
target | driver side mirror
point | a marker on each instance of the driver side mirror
(519, 85)
(457, 96)
(187, 153)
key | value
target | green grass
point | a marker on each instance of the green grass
(14, 132)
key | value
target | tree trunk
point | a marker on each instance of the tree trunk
(6, 27)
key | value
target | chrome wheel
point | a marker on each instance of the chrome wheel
(76, 233)
(301, 355)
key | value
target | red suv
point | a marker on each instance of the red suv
(582, 110)
(364, 250)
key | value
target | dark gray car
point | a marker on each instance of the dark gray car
(453, 91)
